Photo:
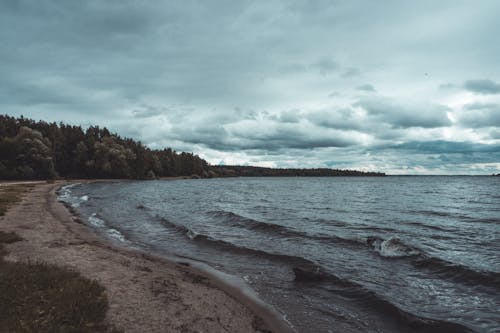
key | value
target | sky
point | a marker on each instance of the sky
(402, 87)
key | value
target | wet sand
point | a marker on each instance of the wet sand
(145, 293)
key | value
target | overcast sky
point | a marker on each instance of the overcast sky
(394, 86)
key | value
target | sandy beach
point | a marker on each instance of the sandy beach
(146, 294)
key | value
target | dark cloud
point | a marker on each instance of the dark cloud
(447, 147)
(484, 87)
(477, 115)
(447, 86)
(398, 115)
(291, 116)
(325, 66)
(274, 135)
(147, 111)
(337, 119)
(366, 87)
(262, 82)
(350, 72)
(222, 139)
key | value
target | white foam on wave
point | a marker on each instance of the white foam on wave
(95, 221)
(395, 248)
(113, 233)
(65, 195)
(191, 234)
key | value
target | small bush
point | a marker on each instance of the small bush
(45, 298)
(9, 237)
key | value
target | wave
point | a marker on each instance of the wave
(449, 215)
(435, 213)
(65, 196)
(488, 220)
(96, 221)
(251, 224)
(171, 225)
(395, 248)
(233, 248)
(141, 206)
(371, 300)
(113, 233)
(457, 272)
(335, 223)
(239, 221)
(306, 271)
(429, 226)
(391, 248)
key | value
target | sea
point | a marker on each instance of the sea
(331, 254)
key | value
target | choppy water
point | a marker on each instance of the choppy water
(393, 254)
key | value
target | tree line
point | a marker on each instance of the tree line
(32, 149)
(252, 171)
(39, 150)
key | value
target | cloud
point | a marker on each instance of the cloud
(448, 86)
(147, 111)
(325, 66)
(447, 147)
(484, 86)
(263, 82)
(265, 134)
(477, 115)
(366, 87)
(290, 116)
(494, 134)
(351, 72)
(345, 119)
(404, 116)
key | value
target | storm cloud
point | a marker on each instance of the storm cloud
(399, 115)
(482, 86)
(394, 86)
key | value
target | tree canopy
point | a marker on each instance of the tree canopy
(39, 150)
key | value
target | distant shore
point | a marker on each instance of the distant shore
(146, 293)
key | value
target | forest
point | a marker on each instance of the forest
(32, 149)
(39, 150)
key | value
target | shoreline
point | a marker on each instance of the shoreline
(147, 293)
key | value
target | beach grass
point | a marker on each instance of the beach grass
(12, 194)
(9, 237)
(37, 297)
(43, 298)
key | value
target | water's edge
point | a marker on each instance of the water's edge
(234, 286)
